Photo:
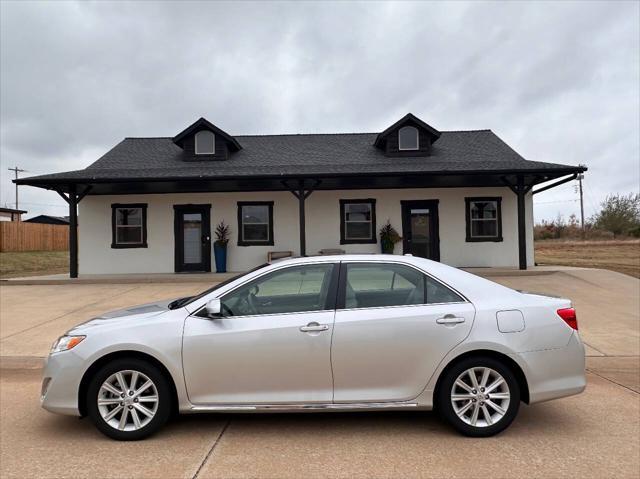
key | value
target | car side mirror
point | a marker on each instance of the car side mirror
(213, 308)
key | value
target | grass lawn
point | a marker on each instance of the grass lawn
(33, 263)
(621, 256)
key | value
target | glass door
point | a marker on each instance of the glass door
(420, 229)
(193, 238)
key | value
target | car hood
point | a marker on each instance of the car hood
(138, 312)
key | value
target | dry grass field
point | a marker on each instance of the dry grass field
(621, 256)
(33, 263)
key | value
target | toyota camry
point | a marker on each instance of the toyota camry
(328, 333)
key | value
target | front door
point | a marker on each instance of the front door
(271, 345)
(420, 229)
(192, 238)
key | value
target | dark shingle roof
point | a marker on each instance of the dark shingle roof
(313, 154)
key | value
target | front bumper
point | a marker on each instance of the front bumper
(61, 382)
(555, 373)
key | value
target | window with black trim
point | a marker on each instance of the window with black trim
(358, 221)
(129, 225)
(484, 219)
(255, 223)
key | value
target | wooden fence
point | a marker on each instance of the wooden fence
(19, 236)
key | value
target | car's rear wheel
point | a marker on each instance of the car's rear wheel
(128, 399)
(479, 396)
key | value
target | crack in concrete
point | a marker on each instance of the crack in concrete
(213, 446)
(612, 381)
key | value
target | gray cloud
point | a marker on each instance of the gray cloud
(557, 81)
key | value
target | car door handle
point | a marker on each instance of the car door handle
(313, 326)
(450, 319)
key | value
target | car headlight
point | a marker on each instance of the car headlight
(65, 343)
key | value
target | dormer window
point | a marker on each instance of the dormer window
(205, 143)
(408, 138)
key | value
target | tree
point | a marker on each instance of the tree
(619, 214)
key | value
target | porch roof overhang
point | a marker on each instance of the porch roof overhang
(104, 184)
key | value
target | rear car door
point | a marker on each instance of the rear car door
(393, 326)
(272, 344)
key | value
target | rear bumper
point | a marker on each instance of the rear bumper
(60, 382)
(555, 373)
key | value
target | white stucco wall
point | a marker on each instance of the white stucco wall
(323, 227)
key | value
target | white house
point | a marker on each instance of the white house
(150, 205)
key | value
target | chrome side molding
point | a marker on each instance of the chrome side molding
(302, 407)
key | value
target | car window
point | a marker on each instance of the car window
(294, 289)
(439, 293)
(371, 285)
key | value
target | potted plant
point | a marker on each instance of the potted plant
(220, 247)
(388, 238)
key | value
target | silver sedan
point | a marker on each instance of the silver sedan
(350, 332)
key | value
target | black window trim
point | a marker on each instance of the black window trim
(114, 208)
(373, 239)
(342, 287)
(270, 241)
(483, 239)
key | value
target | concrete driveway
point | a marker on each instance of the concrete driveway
(595, 434)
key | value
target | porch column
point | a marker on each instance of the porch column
(301, 214)
(520, 188)
(73, 198)
(522, 230)
(73, 232)
(302, 194)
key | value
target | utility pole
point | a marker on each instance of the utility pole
(579, 178)
(16, 170)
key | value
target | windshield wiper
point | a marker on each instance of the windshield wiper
(179, 302)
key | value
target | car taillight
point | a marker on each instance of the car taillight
(569, 316)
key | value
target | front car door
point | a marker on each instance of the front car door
(393, 326)
(272, 345)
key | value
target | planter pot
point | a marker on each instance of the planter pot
(386, 248)
(220, 253)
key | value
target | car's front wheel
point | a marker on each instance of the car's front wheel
(128, 399)
(479, 396)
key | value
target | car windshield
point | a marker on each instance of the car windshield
(179, 303)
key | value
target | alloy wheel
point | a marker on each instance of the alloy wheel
(480, 396)
(128, 400)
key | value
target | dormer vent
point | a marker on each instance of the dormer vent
(205, 143)
(409, 136)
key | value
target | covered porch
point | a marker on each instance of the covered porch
(75, 188)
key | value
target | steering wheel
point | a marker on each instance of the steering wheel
(226, 310)
(252, 302)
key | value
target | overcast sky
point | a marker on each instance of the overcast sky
(558, 81)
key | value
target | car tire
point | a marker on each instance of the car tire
(146, 404)
(458, 398)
